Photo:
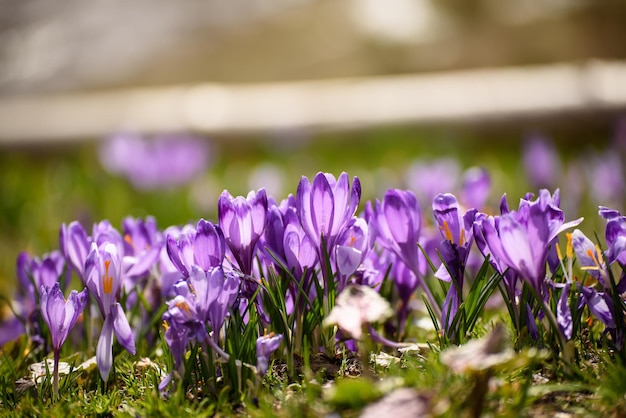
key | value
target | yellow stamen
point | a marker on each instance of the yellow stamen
(600, 258)
(107, 281)
(166, 325)
(569, 249)
(558, 252)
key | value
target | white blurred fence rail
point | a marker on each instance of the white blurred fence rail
(460, 96)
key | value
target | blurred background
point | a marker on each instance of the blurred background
(113, 108)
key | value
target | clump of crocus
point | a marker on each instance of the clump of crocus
(60, 315)
(265, 346)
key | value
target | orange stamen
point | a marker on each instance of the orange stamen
(128, 240)
(446, 230)
(352, 239)
(183, 306)
(107, 281)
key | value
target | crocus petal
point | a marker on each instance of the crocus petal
(598, 306)
(446, 211)
(265, 346)
(304, 210)
(175, 255)
(258, 212)
(564, 314)
(348, 259)
(104, 349)
(209, 245)
(517, 247)
(10, 329)
(74, 245)
(123, 332)
(322, 206)
(398, 218)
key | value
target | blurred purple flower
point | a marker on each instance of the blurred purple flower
(265, 346)
(541, 162)
(74, 245)
(45, 271)
(142, 245)
(163, 161)
(428, 178)
(475, 187)
(605, 176)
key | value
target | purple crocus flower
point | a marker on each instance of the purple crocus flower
(454, 249)
(215, 293)
(589, 256)
(265, 346)
(167, 160)
(325, 207)
(510, 276)
(615, 235)
(203, 248)
(300, 252)
(475, 186)
(142, 245)
(522, 239)
(103, 276)
(395, 225)
(352, 247)
(32, 273)
(242, 220)
(60, 315)
(44, 271)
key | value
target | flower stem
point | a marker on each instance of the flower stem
(55, 376)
